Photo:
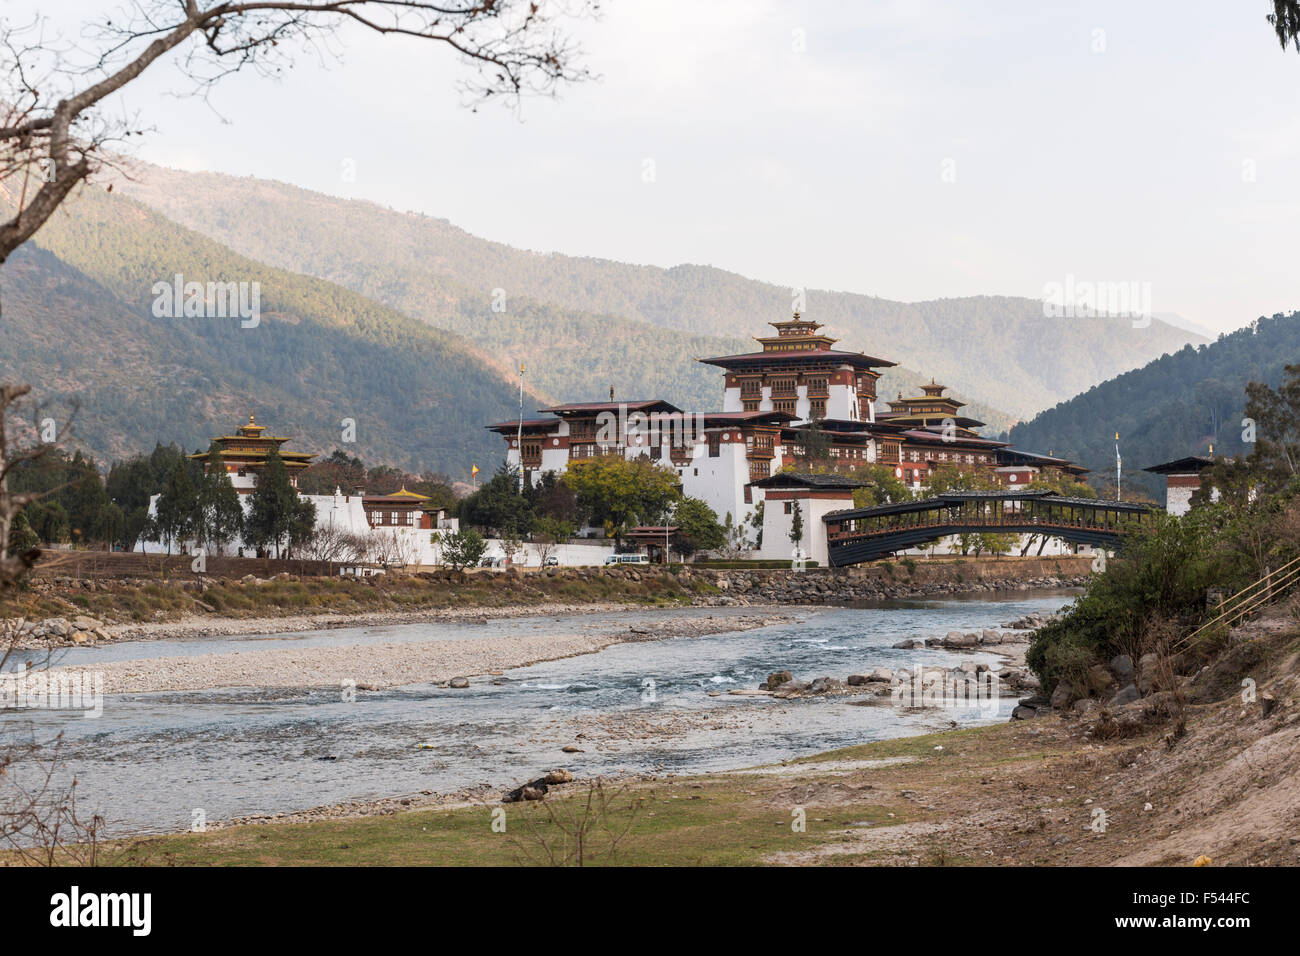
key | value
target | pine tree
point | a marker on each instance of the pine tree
(21, 536)
(177, 512)
(222, 515)
(273, 506)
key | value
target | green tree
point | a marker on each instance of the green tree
(86, 501)
(756, 522)
(697, 527)
(618, 493)
(816, 445)
(49, 520)
(276, 515)
(551, 497)
(176, 515)
(221, 516)
(1276, 417)
(948, 477)
(796, 525)
(21, 536)
(463, 549)
(339, 471)
(498, 507)
(879, 487)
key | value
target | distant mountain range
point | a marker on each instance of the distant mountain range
(388, 319)
(1177, 405)
(78, 324)
(639, 326)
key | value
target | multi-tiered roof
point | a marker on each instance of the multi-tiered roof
(797, 343)
(247, 450)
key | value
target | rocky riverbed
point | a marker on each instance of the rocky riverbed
(372, 667)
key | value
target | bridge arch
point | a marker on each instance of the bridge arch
(862, 534)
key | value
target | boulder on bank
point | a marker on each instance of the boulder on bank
(537, 789)
(1032, 707)
(1147, 667)
(777, 678)
(1125, 695)
(1121, 666)
(1063, 696)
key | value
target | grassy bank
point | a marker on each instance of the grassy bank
(897, 802)
(169, 598)
(171, 594)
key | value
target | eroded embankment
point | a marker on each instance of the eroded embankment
(57, 611)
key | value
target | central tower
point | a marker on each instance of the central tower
(801, 373)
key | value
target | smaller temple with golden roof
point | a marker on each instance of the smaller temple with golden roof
(245, 452)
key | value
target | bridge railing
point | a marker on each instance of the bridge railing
(946, 518)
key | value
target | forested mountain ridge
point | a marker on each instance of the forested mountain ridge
(1000, 352)
(78, 323)
(1177, 405)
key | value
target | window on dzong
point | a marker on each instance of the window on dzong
(715, 445)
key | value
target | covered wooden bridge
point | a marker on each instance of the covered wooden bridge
(862, 534)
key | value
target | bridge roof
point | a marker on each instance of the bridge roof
(1134, 507)
(949, 498)
(791, 479)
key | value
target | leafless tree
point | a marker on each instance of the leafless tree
(39, 818)
(401, 550)
(577, 829)
(546, 545)
(328, 542)
(56, 134)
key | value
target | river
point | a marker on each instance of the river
(151, 760)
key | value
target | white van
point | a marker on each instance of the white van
(628, 559)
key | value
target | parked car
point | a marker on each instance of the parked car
(498, 564)
(627, 559)
(552, 561)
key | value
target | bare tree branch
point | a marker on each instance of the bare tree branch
(53, 128)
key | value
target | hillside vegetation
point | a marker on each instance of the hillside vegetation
(1000, 352)
(1175, 406)
(78, 323)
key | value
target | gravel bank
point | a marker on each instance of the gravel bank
(375, 666)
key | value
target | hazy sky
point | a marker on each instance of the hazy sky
(915, 149)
